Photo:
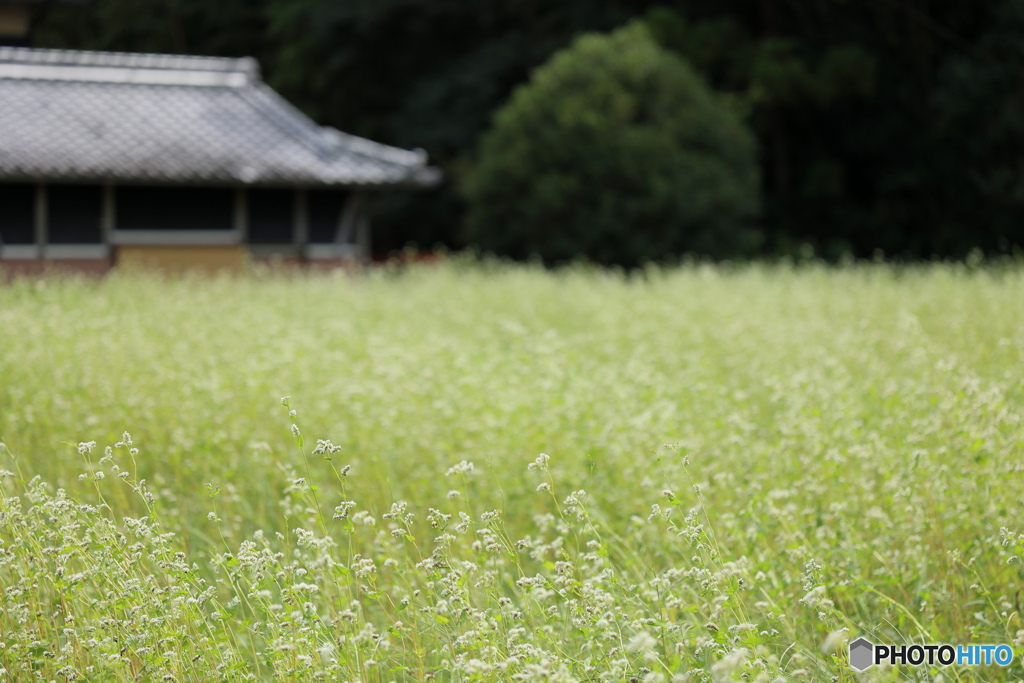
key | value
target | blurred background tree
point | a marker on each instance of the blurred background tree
(881, 124)
(615, 151)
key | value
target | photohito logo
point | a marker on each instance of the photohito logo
(865, 654)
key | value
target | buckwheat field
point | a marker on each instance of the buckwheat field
(479, 472)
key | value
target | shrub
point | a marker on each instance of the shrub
(615, 150)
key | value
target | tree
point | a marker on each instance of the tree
(979, 113)
(615, 150)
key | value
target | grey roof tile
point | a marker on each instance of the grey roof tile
(69, 115)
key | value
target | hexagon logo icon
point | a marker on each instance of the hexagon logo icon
(861, 654)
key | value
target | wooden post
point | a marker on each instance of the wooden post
(108, 213)
(348, 219)
(300, 225)
(241, 216)
(42, 222)
(363, 236)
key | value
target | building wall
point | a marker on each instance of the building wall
(172, 228)
(211, 259)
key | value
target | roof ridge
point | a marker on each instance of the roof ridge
(326, 140)
(129, 60)
(366, 147)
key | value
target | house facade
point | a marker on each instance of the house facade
(161, 159)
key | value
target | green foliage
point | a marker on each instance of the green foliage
(979, 109)
(616, 151)
(881, 126)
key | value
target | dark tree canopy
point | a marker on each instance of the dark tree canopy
(616, 151)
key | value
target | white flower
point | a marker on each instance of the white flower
(642, 642)
(464, 468)
(541, 463)
(725, 667)
(834, 642)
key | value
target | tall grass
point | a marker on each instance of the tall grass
(491, 473)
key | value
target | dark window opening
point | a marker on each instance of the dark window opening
(15, 41)
(74, 214)
(271, 213)
(324, 215)
(175, 208)
(17, 209)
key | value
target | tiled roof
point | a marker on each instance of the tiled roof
(69, 115)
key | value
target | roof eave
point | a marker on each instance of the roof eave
(419, 179)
